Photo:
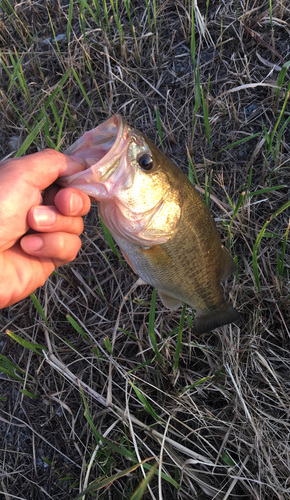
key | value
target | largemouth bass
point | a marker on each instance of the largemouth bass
(161, 224)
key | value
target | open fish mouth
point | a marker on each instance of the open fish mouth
(95, 144)
(102, 149)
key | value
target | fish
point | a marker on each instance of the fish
(164, 229)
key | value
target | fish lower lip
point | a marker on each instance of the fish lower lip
(96, 191)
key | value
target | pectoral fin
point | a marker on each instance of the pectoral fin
(158, 256)
(169, 301)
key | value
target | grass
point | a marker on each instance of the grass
(105, 393)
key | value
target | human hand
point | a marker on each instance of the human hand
(27, 261)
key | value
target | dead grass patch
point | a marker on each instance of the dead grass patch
(219, 426)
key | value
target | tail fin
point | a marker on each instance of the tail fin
(219, 315)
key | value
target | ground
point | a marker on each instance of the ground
(215, 418)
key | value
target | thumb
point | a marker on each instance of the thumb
(41, 169)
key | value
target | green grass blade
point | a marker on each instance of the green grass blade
(10, 76)
(18, 73)
(108, 345)
(84, 93)
(258, 241)
(197, 92)
(16, 111)
(14, 75)
(25, 343)
(105, 10)
(281, 77)
(121, 450)
(263, 191)
(69, 20)
(9, 365)
(240, 201)
(110, 241)
(89, 66)
(198, 382)
(145, 403)
(54, 34)
(237, 270)
(205, 117)
(268, 140)
(6, 366)
(29, 394)
(155, 15)
(148, 362)
(190, 176)
(11, 374)
(280, 116)
(241, 141)
(279, 136)
(83, 5)
(227, 459)
(151, 325)
(255, 256)
(46, 131)
(206, 12)
(127, 7)
(139, 492)
(97, 19)
(68, 112)
(191, 169)
(148, 15)
(209, 188)
(179, 339)
(250, 178)
(97, 485)
(56, 91)
(14, 14)
(39, 308)
(280, 262)
(109, 238)
(271, 13)
(77, 327)
(59, 135)
(55, 114)
(267, 137)
(117, 21)
(192, 42)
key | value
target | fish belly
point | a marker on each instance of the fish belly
(181, 278)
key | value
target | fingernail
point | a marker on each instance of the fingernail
(75, 203)
(44, 217)
(32, 244)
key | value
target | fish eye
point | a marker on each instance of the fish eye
(145, 162)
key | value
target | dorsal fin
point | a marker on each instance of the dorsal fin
(228, 266)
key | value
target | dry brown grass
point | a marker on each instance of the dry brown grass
(224, 416)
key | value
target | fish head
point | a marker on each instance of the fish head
(132, 181)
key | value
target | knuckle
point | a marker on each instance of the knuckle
(51, 152)
(81, 226)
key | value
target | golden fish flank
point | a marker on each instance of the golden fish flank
(164, 229)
